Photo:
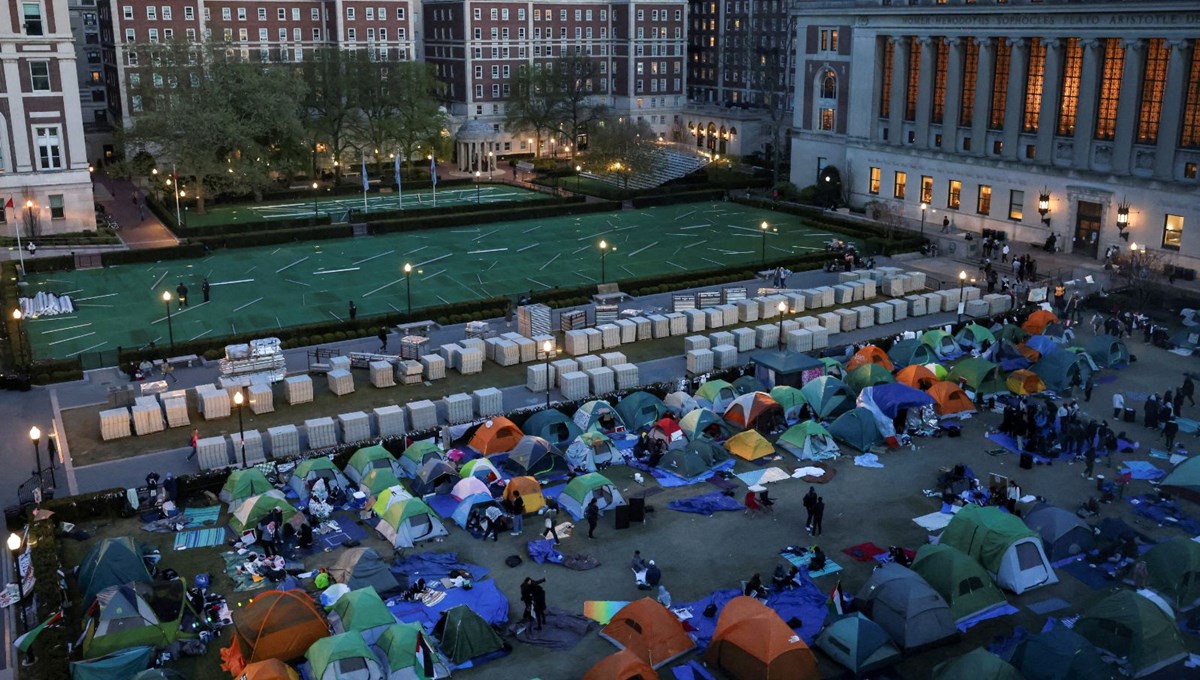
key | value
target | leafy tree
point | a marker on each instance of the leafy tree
(330, 103)
(574, 78)
(534, 104)
(622, 148)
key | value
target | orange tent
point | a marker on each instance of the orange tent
(915, 376)
(748, 408)
(1025, 382)
(530, 490)
(496, 435)
(271, 669)
(1037, 321)
(650, 631)
(622, 665)
(752, 642)
(1029, 353)
(949, 398)
(869, 355)
(279, 624)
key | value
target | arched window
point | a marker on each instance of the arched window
(828, 85)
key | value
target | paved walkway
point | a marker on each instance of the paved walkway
(140, 228)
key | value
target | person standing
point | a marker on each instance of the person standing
(205, 288)
(818, 516)
(1089, 458)
(550, 531)
(1152, 411)
(1004, 253)
(1087, 387)
(810, 501)
(945, 225)
(518, 514)
(181, 293)
(1178, 402)
(1118, 402)
(1188, 389)
(195, 442)
(538, 594)
(353, 310)
(383, 338)
(592, 515)
(1170, 429)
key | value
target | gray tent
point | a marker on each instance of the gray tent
(905, 606)
(1059, 654)
(361, 568)
(858, 643)
(1063, 533)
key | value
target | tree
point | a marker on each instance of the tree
(534, 104)
(623, 148)
(576, 108)
(771, 73)
(330, 103)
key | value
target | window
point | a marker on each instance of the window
(898, 187)
(151, 13)
(477, 14)
(939, 79)
(983, 204)
(966, 113)
(1154, 82)
(1072, 69)
(49, 147)
(1034, 78)
(153, 37)
(1000, 68)
(32, 12)
(370, 14)
(295, 14)
(885, 90)
(166, 12)
(227, 13)
(39, 76)
(241, 13)
(1190, 138)
(399, 14)
(829, 85)
(1173, 232)
(314, 14)
(873, 186)
(1110, 88)
(262, 13)
(954, 195)
(914, 79)
(189, 13)
(479, 92)
(351, 34)
(926, 189)
(827, 120)
(1189, 171)
(127, 12)
(57, 211)
(504, 14)
(1016, 205)
(350, 13)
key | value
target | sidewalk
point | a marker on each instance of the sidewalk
(137, 231)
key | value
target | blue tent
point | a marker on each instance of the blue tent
(463, 511)
(123, 664)
(895, 397)
(1044, 345)
(1007, 356)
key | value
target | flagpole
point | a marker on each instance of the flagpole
(365, 183)
(17, 228)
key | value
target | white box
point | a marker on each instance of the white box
(262, 398)
(795, 302)
(743, 339)
(977, 309)
(575, 342)
(339, 362)
(870, 289)
(321, 433)
(866, 316)
(610, 335)
(422, 415)
(537, 377)
(588, 362)
(724, 356)
(390, 420)
(933, 302)
(916, 305)
(561, 366)
(177, 413)
(434, 366)
(574, 385)
(692, 342)
(830, 321)
(719, 338)
(285, 441)
(899, 309)
(766, 335)
(383, 374)
(506, 352)
(893, 286)
(645, 328)
(458, 408)
(809, 322)
(628, 330)
(857, 289)
(747, 311)
(470, 361)
(714, 318)
(298, 389)
(595, 339)
(883, 312)
(340, 381)
(660, 326)
(849, 319)
(843, 294)
(147, 418)
(626, 376)
(679, 324)
(213, 403)
(820, 338)
(472, 343)
(699, 361)
(254, 453)
(971, 293)
(602, 380)
(916, 281)
(489, 401)
(356, 427)
(697, 320)
(114, 423)
(212, 453)
(799, 340)
(611, 359)
(729, 314)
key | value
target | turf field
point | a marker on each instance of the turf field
(337, 208)
(263, 289)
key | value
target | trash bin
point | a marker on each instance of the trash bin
(1100, 483)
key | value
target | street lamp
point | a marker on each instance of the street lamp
(166, 298)
(578, 169)
(14, 546)
(924, 209)
(23, 344)
(35, 436)
(314, 200)
(547, 348)
(764, 227)
(408, 285)
(476, 187)
(962, 304)
(604, 249)
(782, 307)
(238, 400)
(491, 164)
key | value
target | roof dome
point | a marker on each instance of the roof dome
(474, 130)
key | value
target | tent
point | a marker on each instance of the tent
(693, 458)
(858, 643)
(650, 631)
(894, 398)
(870, 354)
(680, 403)
(530, 490)
(939, 371)
(389, 497)
(749, 445)
(343, 657)
(667, 431)
(244, 483)
(591, 449)
(599, 416)
(703, 422)
(868, 375)
(1062, 369)
(974, 336)
(434, 476)
(495, 435)
(251, 511)
(581, 490)
(116, 666)
(377, 480)
(640, 410)
(472, 504)
(417, 454)
(533, 456)
(621, 665)
(481, 468)
(808, 440)
(1184, 480)
(362, 611)
(1042, 345)
(1063, 533)
(309, 470)
(111, 562)
(552, 426)
(465, 635)
(774, 368)
(960, 580)
(941, 342)
(752, 642)
(980, 375)
(828, 396)
(1037, 322)
(408, 522)
(362, 567)
(916, 376)
(905, 606)
(271, 669)
(1010, 551)
(754, 410)
(748, 384)
(409, 654)
(949, 399)
(832, 368)
(369, 458)
(1131, 626)
(133, 615)
(911, 352)
(1010, 357)
(715, 394)
(856, 428)
(467, 487)
(1173, 568)
(1108, 351)
(1024, 382)
(977, 664)
(276, 624)
(1013, 333)
(790, 399)
(1059, 654)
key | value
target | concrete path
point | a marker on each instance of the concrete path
(140, 228)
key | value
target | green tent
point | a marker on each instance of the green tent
(369, 458)
(941, 342)
(1108, 351)
(832, 367)
(640, 410)
(702, 422)
(1059, 654)
(598, 416)
(856, 428)
(409, 653)
(973, 336)
(1060, 370)
(1131, 626)
(869, 375)
(693, 459)
(410, 521)
(964, 584)
(417, 454)
(132, 615)
(116, 666)
(111, 562)
(242, 484)
(828, 396)
(980, 375)
(909, 352)
(379, 479)
(342, 657)
(553, 426)
(748, 384)
(1010, 551)
(1173, 568)
(158, 674)
(808, 440)
(1013, 333)
(716, 393)
(581, 490)
(859, 644)
(251, 511)
(465, 635)
(977, 664)
(309, 470)
(789, 398)
(362, 611)
(1185, 479)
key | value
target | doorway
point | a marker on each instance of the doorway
(1087, 228)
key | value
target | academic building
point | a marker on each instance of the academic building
(1077, 119)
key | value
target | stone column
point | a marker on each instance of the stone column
(954, 80)
(1085, 114)
(899, 86)
(1051, 97)
(1014, 105)
(1128, 104)
(1172, 110)
(983, 96)
(925, 90)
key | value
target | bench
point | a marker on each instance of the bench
(186, 359)
(416, 327)
(608, 293)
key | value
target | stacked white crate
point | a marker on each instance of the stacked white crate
(971, 293)
(262, 397)
(610, 335)
(788, 325)
(176, 408)
(893, 286)
(476, 329)
(826, 296)
(422, 415)
(870, 288)
(645, 327)
(883, 312)
(866, 316)
(628, 330)
(977, 309)
(747, 311)
(611, 359)
(595, 339)
(678, 322)
(390, 420)
(697, 320)
(470, 361)
(766, 335)
(916, 281)
(899, 309)
(212, 453)
(843, 277)
(809, 322)
(843, 294)
(411, 346)
(536, 377)
(729, 314)
(660, 325)
(472, 343)
(447, 352)
(588, 361)
(561, 367)
(342, 362)
(997, 303)
(434, 366)
(147, 416)
(505, 352)
(830, 321)
(253, 447)
(857, 290)
(285, 441)
(692, 342)
(526, 348)
(933, 302)
(458, 408)
(601, 379)
(626, 375)
(743, 339)
(724, 356)
(699, 361)
(356, 426)
(768, 306)
(719, 338)
(950, 299)
(114, 423)
(574, 385)
(575, 342)
(341, 381)
(713, 317)
(489, 401)
(322, 433)
(539, 342)
(799, 340)
(849, 319)
(795, 302)
(298, 389)
(916, 305)
(820, 338)
(813, 298)
(533, 320)
(212, 402)
(383, 374)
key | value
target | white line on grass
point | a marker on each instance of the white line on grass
(440, 257)
(782, 250)
(155, 284)
(491, 250)
(548, 262)
(585, 276)
(531, 245)
(185, 310)
(643, 248)
(247, 304)
(202, 334)
(581, 249)
(277, 322)
(66, 328)
(531, 229)
(712, 261)
(289, 266)
(59, 342)
(494, 263)
(95, 297)
(485, 235)
(368, 259)
(299, 283)
(543, 285)
(336, 271)
(627, 271)
(72, 292)
(685, 215)
(386, 285)
(443, 299)
(437, 273)
(94, 305)
(677, 265)
(335, 316)
(230, 283)
(88, 349)
(697, 243)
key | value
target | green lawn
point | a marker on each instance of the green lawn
(264, 289)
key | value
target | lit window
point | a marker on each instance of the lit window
(899, 185)
(926, 189)
(983, 205)
(1016, 205)
(827, 119)
(1173, 232)
(954, 195)
(874, 186)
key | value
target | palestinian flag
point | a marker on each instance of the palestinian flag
(835, 601)
(24, 642)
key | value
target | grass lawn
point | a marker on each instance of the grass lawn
(259, 290)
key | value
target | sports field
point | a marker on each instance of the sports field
(263, 289)
(337, 208)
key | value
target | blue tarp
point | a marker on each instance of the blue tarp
(805, 604)
(1141, 469)
(543, 551)
(435, 566)
(484, 599)
(1165, 513)
(669, 480)
(705, 504)
(891, 398)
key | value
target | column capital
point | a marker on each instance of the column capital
(924, 40)
(1089, 43)
(1015, 42)
(983, 42)
(1052, 43)
(894, 40)
(1132, 43)
(1177, 44)
(953, 42)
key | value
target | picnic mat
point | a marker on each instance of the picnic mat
(442, 504)
(602, 611)
(202, 517)
(1046, 606)
(1141, 469)
(765, 476)
(484, 598)
(241, 582)
(348, 530)
(199, 538)
(562, 630)
(1095, 577)
(864, 552)
(935, 521)
(1164, 512)
(802, 559)
(706, 504)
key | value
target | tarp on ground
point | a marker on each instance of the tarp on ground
(1173, 571)
(465, 635)
(870, 354)
(1129, 625)
(859, 644)
(828, 397)
(976, 664)
(433, 567)
(715, 394)
(553, 426)
(703, 422)
(484, 598)
(857, 428)
(1063, 533)
(242, 484)
(362, 567)
(911, 352)
(1063, 369)
(974, 336)
(751, 641)
(640, 410)
(959, 579)
(1107, 351)
(808, 440)
(908, 608)
(1008, 549)
(868, 375)
(111, 562)
(495, 435)
(980, 375)
(1059, 653)
(277, 624)
(650, 631)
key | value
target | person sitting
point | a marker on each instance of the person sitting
(657, 451)
(780, 580)
(460, 578)
(638, 566)
(414, 591)
(899, 556)
(653, 576)
(1089, 508)
(818, 561)
(664, 597)
(274, 568)
(754, 588)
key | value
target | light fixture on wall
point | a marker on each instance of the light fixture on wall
(1123, 219)
(1044, 206)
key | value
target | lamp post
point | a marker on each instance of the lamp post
(314, 185)
(924, 209)
(166, 298)
(22, 337)
(408, 285)
(578, 169)
(476, 187)
(764, 227)
(547, 349)
(962, 304)
(491, 164)
(604, 248)
(238, 400)
(35, 436)
(14, 547)
(783, 307)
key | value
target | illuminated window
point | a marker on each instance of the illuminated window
(1072, 67)
(827, 119)
(914, 79)
(1173, 232)
(1153, 83)
(828, 85)
(1034, 79)
(885, 96)
(983, 204)
(954, 195)
(1000, 84)
(874, 186)
(1110, 89)
(970, 67)
(898, 187)
(926, 189)
(939, 79)
(1016, 205)
(1191, 111)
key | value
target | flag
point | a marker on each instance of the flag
(9, 203)
(24, 642)
(366, 184)
(433, 169)
(396, 170)
(835, 601)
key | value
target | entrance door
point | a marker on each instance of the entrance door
(1087, 229)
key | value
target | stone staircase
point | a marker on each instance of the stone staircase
(674, 161)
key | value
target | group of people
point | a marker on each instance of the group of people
(275, 539)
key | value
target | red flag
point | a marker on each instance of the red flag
(9, 204)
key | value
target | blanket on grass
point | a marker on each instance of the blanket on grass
(562, 630)
(544, 550)
(433, 567)
(706, 504)
(484, 598)
(1164, 512)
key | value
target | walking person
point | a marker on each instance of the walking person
(550, 531)
(592, 515)
(1170, 429)
(181, 292)
(195, 442)
(383, 338)
(1004, 254)
(818, 515)
(1087, 387)
(1188, 389)
(518, 514)
(1089, 457)
(353, 310)
(204, 288)
(810, 501)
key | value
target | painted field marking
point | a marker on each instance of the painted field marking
(66, 328)
(59, 342)
(531, 245)
(556, 255)
(299, 283)
(491, 250)
(247, 304)
(96, 297)
(643, 248)
(185, 310)
(289, 266)
(386, 285)
(155, 284)
(336, 271)
(88, 349)
(230, 283)
(368, 259)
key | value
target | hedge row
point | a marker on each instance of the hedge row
(522, 210)
(692, 196)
